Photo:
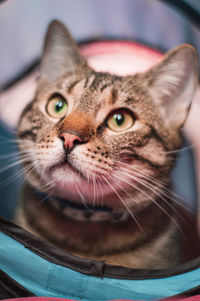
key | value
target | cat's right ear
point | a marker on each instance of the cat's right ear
(173, 83)
(61, 55)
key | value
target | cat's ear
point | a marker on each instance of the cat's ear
(173, 82)
(60, 54)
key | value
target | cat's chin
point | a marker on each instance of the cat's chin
(70, 184)
(84, 191)
(66, 168)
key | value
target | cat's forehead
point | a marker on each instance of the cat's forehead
(97, 90)
(94, 89)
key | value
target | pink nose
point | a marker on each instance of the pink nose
(69, 140)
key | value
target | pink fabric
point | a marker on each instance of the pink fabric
(120, 57)
(194, 298)
(38, 299)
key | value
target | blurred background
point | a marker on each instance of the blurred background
(23, 23)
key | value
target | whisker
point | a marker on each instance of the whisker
(101, 193)
(46, 197)
(12, 140)
(129, 210)
(94, 190)
(15, 156)
(82, 198)
(168, 192)
(155, 190)
(49, 184)
(7, 167)
(191, 146)
(150, 198)
(125, 205)
(16, 176)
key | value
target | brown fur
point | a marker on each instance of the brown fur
(126, 171)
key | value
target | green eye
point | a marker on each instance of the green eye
(120, 120)
(57, 106)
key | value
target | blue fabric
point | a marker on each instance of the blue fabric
(44, 278)
(10, 179)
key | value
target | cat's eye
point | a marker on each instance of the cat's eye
(57, 106)
(120, 120)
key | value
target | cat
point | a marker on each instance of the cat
(98, 150)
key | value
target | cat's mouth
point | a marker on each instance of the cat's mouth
(70, 167)
(70, 183)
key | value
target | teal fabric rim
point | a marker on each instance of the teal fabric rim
(27, 265)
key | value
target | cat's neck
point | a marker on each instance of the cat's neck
(81, 211)
(105, 239)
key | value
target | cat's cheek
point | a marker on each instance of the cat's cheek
(48, 153)
(92, 160)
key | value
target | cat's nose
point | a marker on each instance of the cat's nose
(69, 140)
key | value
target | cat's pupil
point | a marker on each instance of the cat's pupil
(119, 118)
(59, 105)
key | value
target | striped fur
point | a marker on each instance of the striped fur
(126, 171)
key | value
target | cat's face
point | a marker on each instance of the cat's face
(95, 137)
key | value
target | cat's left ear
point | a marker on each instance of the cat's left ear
(173, 82)
(61, 55)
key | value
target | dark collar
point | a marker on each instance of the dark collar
(82, 211)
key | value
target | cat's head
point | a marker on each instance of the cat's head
(96, 137)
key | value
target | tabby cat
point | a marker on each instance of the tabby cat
(98, 150)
